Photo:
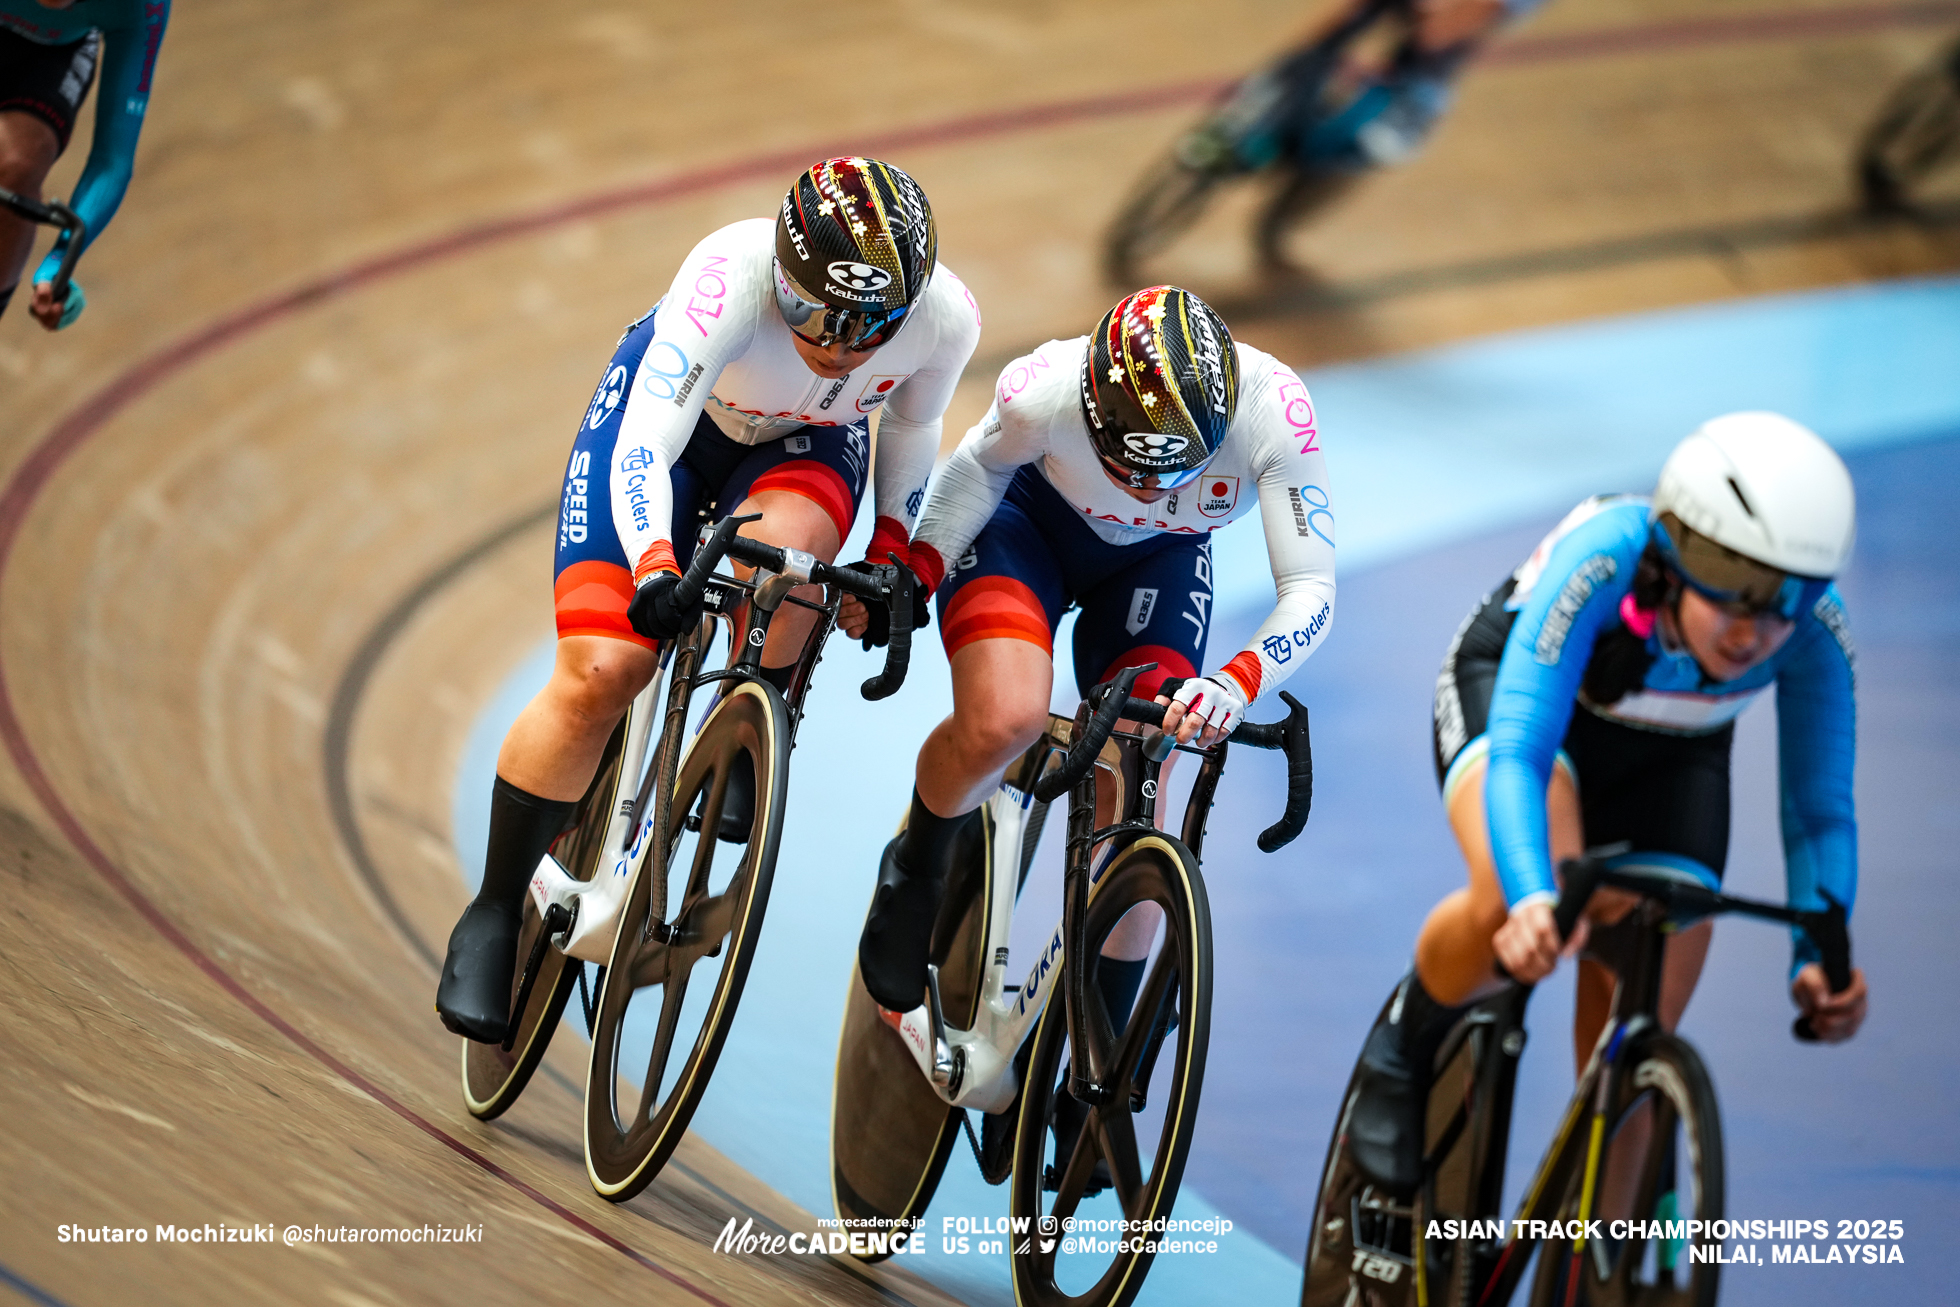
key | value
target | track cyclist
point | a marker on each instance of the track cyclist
(1591, 699)
(748, 388)
(1095, 480)
(49, 51)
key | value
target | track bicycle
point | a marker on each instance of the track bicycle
(905, 1082)
(1915, 139)
(601, 895)
(1298, 117)
(1639, 1145)
(52, 213)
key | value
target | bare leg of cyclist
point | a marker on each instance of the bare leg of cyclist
(547, 761)
(553, 748)
(1454, 957)
(28, 148)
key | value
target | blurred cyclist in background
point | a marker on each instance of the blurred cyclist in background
(49, 53)
(1591, 699)
(748, 388)
(1363, 88)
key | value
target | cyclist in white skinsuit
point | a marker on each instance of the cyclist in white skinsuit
(1096, 479)
(747, 389)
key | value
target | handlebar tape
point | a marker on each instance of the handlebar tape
(897, 598)
(1082, 755)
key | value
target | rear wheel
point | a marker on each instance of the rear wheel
(890, 1132)
(1916, 137)
(1660, 1160)
(672, 985)
(1140, 1137)
(493, 1077)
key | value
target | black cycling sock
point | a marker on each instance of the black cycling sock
(1118, 980)
(522, 827)
(1406, 1040)
(928, 839)
(778, 676)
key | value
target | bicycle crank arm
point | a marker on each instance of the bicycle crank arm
(592, 907)
(972, 1073)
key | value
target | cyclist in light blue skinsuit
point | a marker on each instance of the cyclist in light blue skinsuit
(1591, 699)
(49, 52)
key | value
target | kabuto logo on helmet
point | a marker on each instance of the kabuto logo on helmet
(790, 226)
(1155, 445)
(860, 277)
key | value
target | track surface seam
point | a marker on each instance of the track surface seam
(147, 374)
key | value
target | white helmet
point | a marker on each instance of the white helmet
(1766, 487)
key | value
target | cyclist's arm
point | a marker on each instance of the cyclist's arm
(129, 57)
(969, 488)
(1297, 512)
(695, 336)
(910, 425)
(1816, 748)
(1574, 601)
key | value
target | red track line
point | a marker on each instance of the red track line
(28, 480)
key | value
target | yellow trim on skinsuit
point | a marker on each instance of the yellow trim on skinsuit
(1478, 750)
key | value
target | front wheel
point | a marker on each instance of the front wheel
(1658, 1161)
(671, 986)
(1135, 1143)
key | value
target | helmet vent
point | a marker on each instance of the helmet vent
(1741, 498)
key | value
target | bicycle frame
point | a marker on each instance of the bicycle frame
(974, 1067)
(594, 906)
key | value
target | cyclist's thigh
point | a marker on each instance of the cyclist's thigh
(824, 467)
(1007, 586)
(44, 84)
(1156, 609)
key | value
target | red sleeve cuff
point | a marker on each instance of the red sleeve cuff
(659, 557)
(1245, 670)
(888, 536)
(927, 565)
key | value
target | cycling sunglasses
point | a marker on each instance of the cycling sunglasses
(1170, 479)
(1735, 581)
(816, 323)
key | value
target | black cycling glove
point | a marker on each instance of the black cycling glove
(654, 613)
(879, 633)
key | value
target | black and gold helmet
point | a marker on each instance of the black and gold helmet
(855, 248)
(1160, 383)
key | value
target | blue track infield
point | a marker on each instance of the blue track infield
(1448, 465)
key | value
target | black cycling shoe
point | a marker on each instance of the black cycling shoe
(1070, 1116)
(1386, 1125)
(473, 997)
(897, 939)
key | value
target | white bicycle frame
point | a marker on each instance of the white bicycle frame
(975, 1067)
(595, 904)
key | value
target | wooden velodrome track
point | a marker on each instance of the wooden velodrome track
(273, 519)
